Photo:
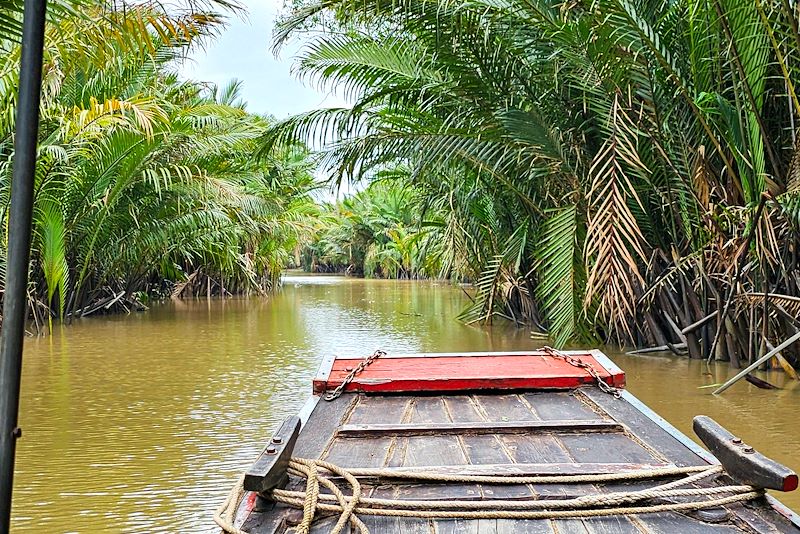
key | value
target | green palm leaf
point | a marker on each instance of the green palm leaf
(560, 274)
(49, 224)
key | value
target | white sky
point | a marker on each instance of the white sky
(243, 52)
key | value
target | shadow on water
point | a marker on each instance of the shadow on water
(142, 423)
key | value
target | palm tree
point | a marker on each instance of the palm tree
(380, 231)
(145, 180)
(602, 162)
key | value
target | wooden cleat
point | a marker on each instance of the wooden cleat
(741, 461)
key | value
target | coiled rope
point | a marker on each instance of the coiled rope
(349, 507)
(224, 515)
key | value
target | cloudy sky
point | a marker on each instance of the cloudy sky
(243, 52)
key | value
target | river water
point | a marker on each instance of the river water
(142, 423)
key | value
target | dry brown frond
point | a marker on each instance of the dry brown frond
(787, 302)
(614, 240)
(701, 178)
(793, 175)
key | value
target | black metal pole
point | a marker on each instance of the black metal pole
(12, 332)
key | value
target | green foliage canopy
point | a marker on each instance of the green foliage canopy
(143, 179)
(581, 155)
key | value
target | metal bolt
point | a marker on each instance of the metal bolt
(16, 433)
(748, 450)
(271, 450)
(277, 440)
(737, 441)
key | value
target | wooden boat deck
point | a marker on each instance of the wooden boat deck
(573, 431)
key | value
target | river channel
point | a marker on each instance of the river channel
(142, 423)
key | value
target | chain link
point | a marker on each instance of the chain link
(589, 368)
(336, 393)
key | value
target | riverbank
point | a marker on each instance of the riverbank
(142, 423)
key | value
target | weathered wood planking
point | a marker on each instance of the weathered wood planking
(512, 469)
(384, 409)
(505, 407)
(321, 426)
(642, 428)
(557, 405)
(355, 452)
(482, 450)
(535, 448)
(610, 525)
(496, 432)
(542, 450)
(605, 447)
(463, 409)
(501, 427)
(672, 523)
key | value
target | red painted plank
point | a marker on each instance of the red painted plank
(460, 372)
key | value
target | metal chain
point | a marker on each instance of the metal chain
(336, 393)
(589, 368)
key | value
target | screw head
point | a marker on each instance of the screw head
(748, 450)
(271, 450)
(277, 440)
(737, 441)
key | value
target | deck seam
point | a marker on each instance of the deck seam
(479, 408)
(503, 446)
(409, 411)
(348, 412)
(447, 410)
(589, 403)
(460, 439)
(560, 443)
(527, 403)
(637, 524)
(594, 487)
(394, 444)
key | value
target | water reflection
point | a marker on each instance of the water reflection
(141, 423)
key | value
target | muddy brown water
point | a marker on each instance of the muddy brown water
(142, 423)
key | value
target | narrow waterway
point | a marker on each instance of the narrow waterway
(142, 423)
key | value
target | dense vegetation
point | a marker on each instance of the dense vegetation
(612, 169)
(381, 231)
(146, 184)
